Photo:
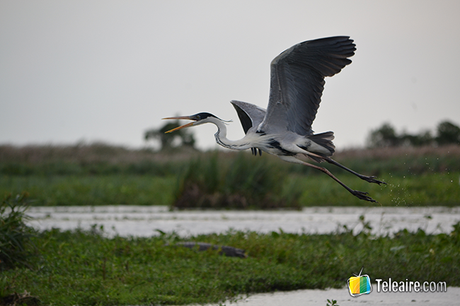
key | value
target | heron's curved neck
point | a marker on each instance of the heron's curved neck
(221, 138)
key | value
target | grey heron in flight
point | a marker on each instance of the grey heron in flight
(284, 128)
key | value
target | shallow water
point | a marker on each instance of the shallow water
(126, 220)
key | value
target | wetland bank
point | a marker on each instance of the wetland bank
(91, 264)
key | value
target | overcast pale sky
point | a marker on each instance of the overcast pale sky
(109, 70)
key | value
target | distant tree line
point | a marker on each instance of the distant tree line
(385, 136)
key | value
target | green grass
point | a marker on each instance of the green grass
(429, 189)
(15, 236)
(100, 175)
(436, 189)
(85, 268)
(241, 182)
(91, 190)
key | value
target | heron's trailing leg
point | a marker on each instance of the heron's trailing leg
(359, 194)
(370, 179)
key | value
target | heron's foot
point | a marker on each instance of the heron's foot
(362, 196)
(372, 179)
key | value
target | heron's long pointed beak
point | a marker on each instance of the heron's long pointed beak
(180, 117)
(182, 126)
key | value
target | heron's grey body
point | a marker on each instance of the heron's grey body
(285, 143)
(285, 127)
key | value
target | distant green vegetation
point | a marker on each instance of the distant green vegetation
(436, 189)
(239, 182)
(68, 190)
(85, 268)
(99, 174)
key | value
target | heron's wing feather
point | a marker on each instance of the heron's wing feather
(250, 115)
(297, 82)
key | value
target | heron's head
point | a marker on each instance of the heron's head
(197, 119)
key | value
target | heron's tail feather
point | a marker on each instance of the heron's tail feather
(324, 145)
(319, 146)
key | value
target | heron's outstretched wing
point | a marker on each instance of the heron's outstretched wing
(250, 115)
(297, 82)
